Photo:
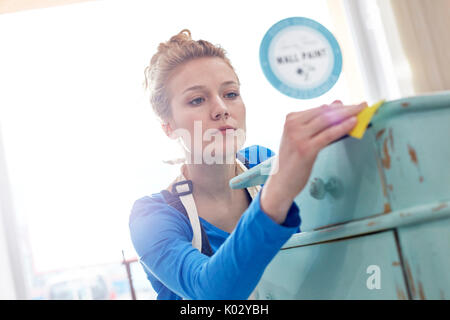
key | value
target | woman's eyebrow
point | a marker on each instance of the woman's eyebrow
(228, 82)
(203, 87)
(193, 88)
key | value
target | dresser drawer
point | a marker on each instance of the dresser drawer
(426, 255)
(335, 270)
(412, 139)
(345, 184)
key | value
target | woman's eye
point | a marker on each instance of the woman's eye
(231, 95)
(196, 101)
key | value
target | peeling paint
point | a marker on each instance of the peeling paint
(390, 187)
(387, 208)
(395, 263)
(400, 294)
(405, 104)
(382, 179)
(386, 160)
(410, 279)
(439, 207)
(421, 293)
(379, 134)
(371, 223)
(391, 139)
(412, 154)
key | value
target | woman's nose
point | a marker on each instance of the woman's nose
(225, 114)
(220, 109)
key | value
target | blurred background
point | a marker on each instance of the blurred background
(79, 142)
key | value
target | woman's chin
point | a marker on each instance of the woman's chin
(221, 155)
(222, 151)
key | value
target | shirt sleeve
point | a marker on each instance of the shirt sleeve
(162, 238)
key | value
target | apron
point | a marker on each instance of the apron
(184, 191)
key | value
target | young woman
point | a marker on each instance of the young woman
(200, 239)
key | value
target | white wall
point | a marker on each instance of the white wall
(12, 276)
(7, 289)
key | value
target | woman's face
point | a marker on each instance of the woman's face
(204, 96)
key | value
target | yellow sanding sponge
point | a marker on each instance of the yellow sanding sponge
(364, 118)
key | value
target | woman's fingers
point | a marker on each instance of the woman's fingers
(334, 132)
(305, 116)
(308, 115)
(331, 118)
(337, 103)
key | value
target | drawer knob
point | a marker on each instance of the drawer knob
(318, 188)
(334, 187)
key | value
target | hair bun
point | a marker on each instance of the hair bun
(183, 35)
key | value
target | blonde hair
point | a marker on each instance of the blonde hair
(178, 50)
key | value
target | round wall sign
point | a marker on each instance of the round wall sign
(300, 58)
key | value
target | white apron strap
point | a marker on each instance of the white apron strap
(187, 199)
(253, 191)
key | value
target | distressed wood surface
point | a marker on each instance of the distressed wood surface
(336, 270)
(409, 242)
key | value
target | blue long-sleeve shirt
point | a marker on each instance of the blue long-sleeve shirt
(162, 238)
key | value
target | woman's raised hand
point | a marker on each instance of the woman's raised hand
(305, 134)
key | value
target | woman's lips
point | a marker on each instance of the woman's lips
(225, 127)
(224, 131)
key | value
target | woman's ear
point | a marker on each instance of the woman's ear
(168, 130)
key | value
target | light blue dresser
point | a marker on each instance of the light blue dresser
(375, 213)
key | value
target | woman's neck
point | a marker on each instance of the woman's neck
(211, 181)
